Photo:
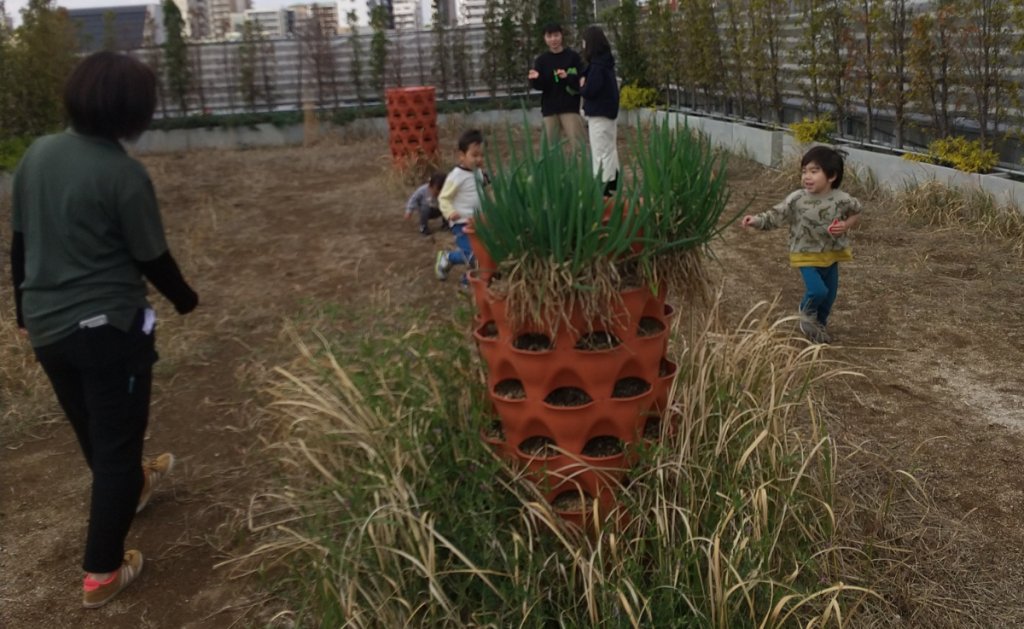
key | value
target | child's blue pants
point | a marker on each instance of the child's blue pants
(822, 284)
(464, 253)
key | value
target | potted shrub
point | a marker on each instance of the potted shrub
(572, 320)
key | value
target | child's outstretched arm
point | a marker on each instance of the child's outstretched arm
(413, 204)
(772, 217)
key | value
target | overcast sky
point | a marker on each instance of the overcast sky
(14, 7)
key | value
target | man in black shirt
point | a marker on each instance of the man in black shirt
(556, 74)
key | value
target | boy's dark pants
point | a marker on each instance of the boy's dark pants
(103, 377)
(822, 285)
(427, 213)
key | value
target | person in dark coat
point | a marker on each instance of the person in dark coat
(556, 73)
(600, 91)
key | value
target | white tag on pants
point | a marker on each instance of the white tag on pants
(148, 321)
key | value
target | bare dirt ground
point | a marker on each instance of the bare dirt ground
(933, 319)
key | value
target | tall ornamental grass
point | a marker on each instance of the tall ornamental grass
(682, 183)
(559, 244)
(394, 513)
(544, 221)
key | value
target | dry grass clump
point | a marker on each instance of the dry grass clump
(393, 513)
(897, 542)
(935, 204)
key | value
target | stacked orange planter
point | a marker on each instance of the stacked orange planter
(587, 391)
(412, 124)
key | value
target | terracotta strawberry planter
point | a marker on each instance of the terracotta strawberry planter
(575, 385)
(412, 124)
(484, 262)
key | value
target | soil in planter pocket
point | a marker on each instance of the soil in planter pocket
(532, 342)
(569, 502)
(490, 330)
(597, 341)
(630, 387)
(664, 369)
(652, 429)
(602, 446)
(495, 431)
(649, 326)
(539, 447)
(568, 396)
(510, 390)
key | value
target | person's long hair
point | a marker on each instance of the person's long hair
(595, 43)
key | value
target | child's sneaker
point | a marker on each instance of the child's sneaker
(153, 471)
(444, 225)
(98, 593)
(424, 231)
(441, 265)
(811, 330)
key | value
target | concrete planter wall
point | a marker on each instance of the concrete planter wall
(777, 148)
(771, 147)
(266, 135)
(216, 138)
(764, 146)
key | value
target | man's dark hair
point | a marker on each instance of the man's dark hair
(110, 95)
(437, 180)
(552, 27)
(469, 138)
(595, 43)
(830, 161)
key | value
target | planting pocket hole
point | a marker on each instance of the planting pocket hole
(649, 326)
(568, 396)
(495, 431)
(542, 447)
(510, 389)
(532, 342)
(570, 502)
(489, 330)
(665, 368)
(603, 446)
(597, 341)
(630, 387)
(652, 429)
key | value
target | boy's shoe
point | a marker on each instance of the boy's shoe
(154, 470)
(444, 225)
(424, 231)
(96, 593)
(441, 265)
(811, 330)
(825, 336)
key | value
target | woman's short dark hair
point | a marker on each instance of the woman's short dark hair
(110, 95)
(595, 43)
(828, 159)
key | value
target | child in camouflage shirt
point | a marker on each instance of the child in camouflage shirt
(819, 216)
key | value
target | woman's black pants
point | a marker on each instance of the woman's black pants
(103, 378)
